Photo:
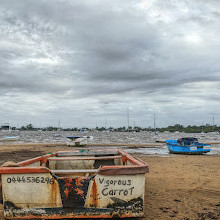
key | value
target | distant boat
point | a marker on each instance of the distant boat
(77, 140)
(9, 138)
(187, 145)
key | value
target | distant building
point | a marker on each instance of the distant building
(6, 127)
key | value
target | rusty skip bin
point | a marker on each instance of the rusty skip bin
(75, 184)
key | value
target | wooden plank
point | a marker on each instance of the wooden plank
(86, 153)
(84, 158)
(74, 171)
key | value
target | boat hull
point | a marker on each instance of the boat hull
(175, 148)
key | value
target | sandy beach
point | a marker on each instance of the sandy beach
(183, 187)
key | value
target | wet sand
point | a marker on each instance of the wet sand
(177, 187)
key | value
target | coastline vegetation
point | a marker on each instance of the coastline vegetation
(172, 128)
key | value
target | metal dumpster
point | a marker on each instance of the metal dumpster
(75, 184)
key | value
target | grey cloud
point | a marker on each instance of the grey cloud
(109, 51)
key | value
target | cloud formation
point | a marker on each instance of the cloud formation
(84, 61)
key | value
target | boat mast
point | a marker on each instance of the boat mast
(213, 123)
(105, 123)
(154, 123)
(128, 117)
(59, 126)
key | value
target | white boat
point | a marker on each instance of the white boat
(78, 141)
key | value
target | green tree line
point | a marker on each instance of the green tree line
(172, 128)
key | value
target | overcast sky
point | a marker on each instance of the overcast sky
(90, 62)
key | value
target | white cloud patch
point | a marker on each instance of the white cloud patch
(89, 60)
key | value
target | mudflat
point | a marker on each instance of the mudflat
(183, 187)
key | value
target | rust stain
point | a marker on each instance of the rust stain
(68, 186)
(79, 181)
(79, 191)
(53, 191)
(94, 199)
(68, 182)
(124, 160)
(66, 191)
(44, 160)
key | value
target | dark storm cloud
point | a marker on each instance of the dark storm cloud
(110, 52)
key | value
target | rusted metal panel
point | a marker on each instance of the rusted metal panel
(115, 189)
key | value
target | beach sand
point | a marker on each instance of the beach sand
(183, 187)
(177, 187)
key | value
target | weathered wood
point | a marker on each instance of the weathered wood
(84, 158)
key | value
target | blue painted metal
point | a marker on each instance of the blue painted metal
(187, 146)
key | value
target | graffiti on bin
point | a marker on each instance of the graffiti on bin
(108, 183)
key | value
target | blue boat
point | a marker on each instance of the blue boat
(187, 145)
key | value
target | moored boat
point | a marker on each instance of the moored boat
(77, 140)
(83, 183)
(187, 145)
